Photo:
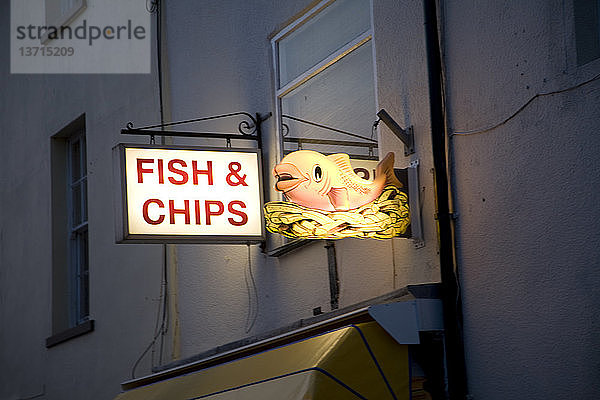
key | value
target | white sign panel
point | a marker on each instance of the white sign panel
(189, 195)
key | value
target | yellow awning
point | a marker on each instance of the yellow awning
(355, 362)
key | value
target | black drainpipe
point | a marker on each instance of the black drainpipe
(457, 387)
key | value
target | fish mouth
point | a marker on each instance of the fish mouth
(288, 177)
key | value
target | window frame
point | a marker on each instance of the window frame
(282, 245)
(77, 240)
(70, 294)
(58, 14)
(281, 90)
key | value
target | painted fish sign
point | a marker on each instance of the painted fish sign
(326, 199)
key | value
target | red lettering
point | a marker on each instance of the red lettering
(161, 172)
(207, 172)
(184, 175)
(209, 212)
(239, 213)
(147, 218)
(197, 209)
(141, 170)
(185, 211)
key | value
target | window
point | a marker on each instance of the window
(325, 80)
(70, 263)
(587, 30)
(61, 13)
(78, 228)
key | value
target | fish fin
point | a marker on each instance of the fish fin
(339, 198)
(342, 161)
(386, 168)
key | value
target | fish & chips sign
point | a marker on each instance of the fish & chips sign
(178, 194)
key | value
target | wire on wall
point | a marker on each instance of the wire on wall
(153, 7)
(252, 299)
(159, 330)
(523, 107)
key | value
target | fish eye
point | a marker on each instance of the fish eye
(317, 173)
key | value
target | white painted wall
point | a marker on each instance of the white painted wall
(125, 280)
(219, 62)
(528, 254)
(527, 198)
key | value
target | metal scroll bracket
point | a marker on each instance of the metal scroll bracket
(249, 128)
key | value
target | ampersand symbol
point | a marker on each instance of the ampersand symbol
(234, 168)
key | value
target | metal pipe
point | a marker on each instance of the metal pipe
(334, 280)
(457, 384)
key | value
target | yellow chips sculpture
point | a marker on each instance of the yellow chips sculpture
(383, 218)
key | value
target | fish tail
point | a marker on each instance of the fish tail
(386, 168)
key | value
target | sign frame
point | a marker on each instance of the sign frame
(122, 232)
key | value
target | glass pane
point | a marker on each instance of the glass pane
(76, 204)
(75, 160)
(342, 97)
(84, 200)
(331, 29)
(83, 277)
(83, 157)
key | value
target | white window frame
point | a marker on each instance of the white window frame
(61, 13)
(281, 91)
(77, 240)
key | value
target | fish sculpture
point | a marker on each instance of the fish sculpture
(328, 183)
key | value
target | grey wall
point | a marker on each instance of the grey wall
(527, 197)
(125, 280)
(525, 193)
(220, 61)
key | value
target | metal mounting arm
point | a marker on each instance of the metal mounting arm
(406, 135)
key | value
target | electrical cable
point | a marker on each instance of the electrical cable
(153, 7)
(158, 331)
(524, 106)
(252, 311)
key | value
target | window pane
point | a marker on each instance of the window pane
(587, 30)
(75, 160)
(84, 200)
(83, 157)
(342, 96)
(76, 204)
(83, 284)
(331, 29)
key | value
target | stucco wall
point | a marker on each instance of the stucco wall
(220, 61)
(125, 280)
(527, 199)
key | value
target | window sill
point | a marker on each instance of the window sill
(70, 333)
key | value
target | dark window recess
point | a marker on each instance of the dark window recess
(587, 30)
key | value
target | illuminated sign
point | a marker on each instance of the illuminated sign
(327, 199)
(179, 194)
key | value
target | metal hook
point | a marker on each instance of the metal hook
(375, 124)
(228, 143)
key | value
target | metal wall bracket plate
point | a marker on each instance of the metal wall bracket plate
(403, 320)
(410, 148)
(416, 226)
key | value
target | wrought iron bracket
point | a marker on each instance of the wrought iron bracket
(249, 128)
